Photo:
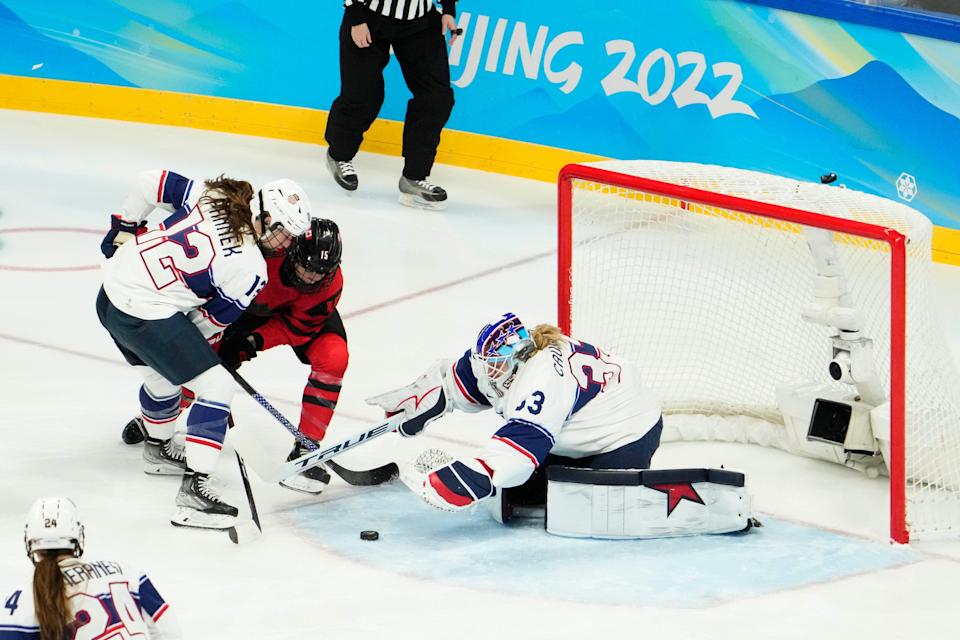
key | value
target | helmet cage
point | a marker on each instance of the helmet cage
(275, 237)
(498, 349)
(289, 210)
(316, 253)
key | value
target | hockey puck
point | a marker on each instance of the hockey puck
(369, 535)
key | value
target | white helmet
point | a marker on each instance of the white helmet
(286, 203)
(52, 523)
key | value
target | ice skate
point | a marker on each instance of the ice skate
(422, 194)
(199, 506)
(343, 173)
(311, 481)
(163, 457)
(134, 432)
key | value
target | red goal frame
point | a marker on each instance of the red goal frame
(898, 266)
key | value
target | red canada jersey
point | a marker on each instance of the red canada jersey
(295, 317)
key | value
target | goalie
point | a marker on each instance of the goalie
(563, 402)
(570, 410)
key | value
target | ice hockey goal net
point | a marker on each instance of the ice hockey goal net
(700, 274)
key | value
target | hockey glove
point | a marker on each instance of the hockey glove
(449, 484)
(236, 349)
(120, 231)
(421, 402)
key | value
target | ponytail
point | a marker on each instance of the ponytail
(230, 199)
(542, 336)
(50, 596)
(545, 335)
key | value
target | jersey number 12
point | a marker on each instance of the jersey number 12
(169, 254)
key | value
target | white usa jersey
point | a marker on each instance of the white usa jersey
(189, 263)
(108, 601)
(570, 400)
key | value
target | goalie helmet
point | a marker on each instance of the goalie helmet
(500, 347)
(53, 523)
(314, 258)
(288, 207)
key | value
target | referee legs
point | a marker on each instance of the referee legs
(361, 94)
(426, 70)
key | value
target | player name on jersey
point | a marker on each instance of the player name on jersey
(84, 572)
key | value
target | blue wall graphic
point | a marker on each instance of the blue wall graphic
(712, 81)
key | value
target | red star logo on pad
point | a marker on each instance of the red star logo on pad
(677, 492)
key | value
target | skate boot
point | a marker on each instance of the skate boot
(343, 173)
(199, 506)
(134, 432)
(421, 194)
(311, 481)
(163, 457)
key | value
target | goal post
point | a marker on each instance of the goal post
(742, 294)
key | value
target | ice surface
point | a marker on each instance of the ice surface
(418, 286)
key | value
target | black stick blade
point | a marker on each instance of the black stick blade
(367, 478)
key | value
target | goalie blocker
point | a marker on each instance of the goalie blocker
(618, 503)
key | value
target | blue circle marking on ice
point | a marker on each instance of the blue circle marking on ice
(470, 549)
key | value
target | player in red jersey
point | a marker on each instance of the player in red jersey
(298, 307)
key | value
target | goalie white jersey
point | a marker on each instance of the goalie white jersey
(189, 263)
(571, 400)
(107, 599)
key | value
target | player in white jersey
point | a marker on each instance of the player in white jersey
(76, 598)
(170, 289)
(563, 402)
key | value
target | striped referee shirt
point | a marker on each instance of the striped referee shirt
(396, 9)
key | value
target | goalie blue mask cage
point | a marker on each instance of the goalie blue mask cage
(500, 340)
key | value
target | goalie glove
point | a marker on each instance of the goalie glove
(449, 484)
(120, 231)
(420, 402)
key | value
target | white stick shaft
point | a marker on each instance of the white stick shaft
(248, 440)
(312, 459)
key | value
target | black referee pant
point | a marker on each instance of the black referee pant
(421, 51)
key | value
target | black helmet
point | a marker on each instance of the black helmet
(317, 253)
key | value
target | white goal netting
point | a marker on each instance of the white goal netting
(707, 301)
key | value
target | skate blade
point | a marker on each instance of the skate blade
(415, 202)
(162, 470)
(303, 485)
(186, 517)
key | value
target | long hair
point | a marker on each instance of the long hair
(543, 335)
(50, 595)
(230, 199)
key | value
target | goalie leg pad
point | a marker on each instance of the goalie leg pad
(588, 503)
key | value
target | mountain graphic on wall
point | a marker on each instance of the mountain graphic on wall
(878, 107)
(233, 27)
(535, 101)
(598, 126)
(873, 126)
(24, 48)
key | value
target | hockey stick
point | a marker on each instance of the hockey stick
(246, 530)
(369, 477)
(317, 455)
(242, 532)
